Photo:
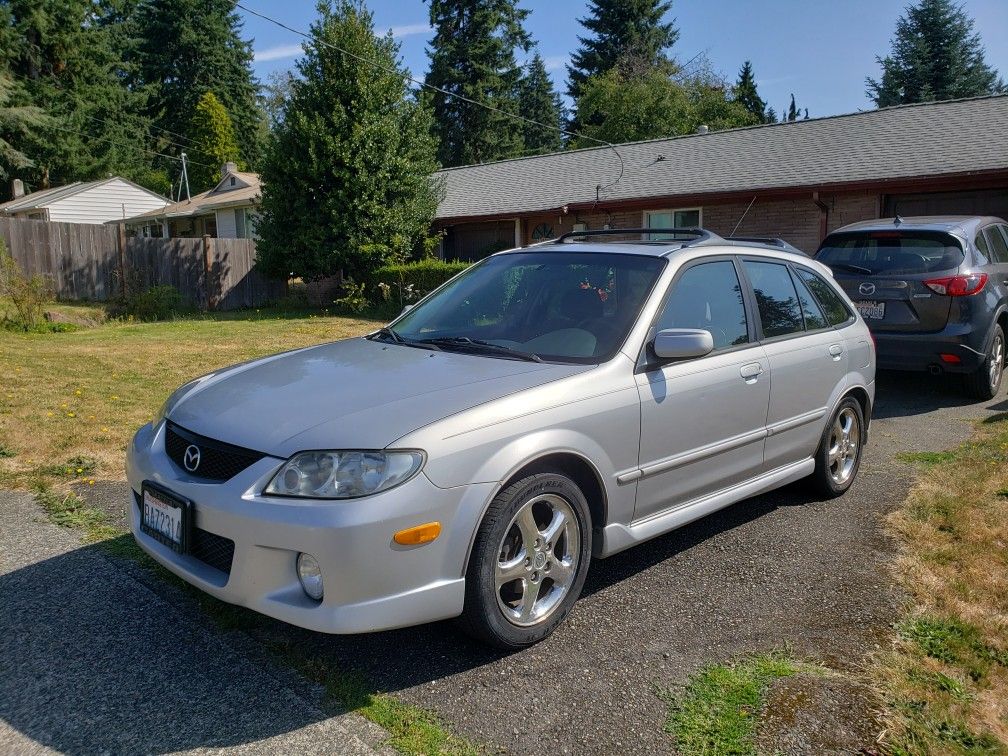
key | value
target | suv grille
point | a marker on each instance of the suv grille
(215, 460)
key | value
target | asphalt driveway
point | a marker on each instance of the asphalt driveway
(779, 571)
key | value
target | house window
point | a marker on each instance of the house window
(688, 217)
(240, 223)
(232, 181)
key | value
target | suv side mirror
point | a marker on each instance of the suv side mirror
(682, 343)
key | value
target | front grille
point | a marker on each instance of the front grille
(217, 460)
(210, 548)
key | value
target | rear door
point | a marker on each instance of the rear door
(808, 360)
(883, 272)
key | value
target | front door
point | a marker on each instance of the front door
(703, 421)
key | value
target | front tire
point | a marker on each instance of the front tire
(838, 458)
(985, 383)
(528, 563)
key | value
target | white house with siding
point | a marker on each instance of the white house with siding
(111, 199)
(228, 211)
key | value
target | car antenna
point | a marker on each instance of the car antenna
(744, 214)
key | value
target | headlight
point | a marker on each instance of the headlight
(344, 474)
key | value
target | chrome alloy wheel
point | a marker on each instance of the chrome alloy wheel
(997, 355)
(844, 446)
(537, 559)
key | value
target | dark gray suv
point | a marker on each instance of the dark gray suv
(933, 291)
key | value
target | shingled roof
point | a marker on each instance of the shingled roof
(958, 137)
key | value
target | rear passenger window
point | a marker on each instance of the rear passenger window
(708, 296)
(998, 245)
(836, 311)
(776, 298)
(814, 317)
(981, 245)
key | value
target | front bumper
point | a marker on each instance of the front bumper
(908, 351)
(371, 583)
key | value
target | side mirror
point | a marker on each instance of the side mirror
(683, 343)
(405, 309)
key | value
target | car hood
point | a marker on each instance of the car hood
(352, 394)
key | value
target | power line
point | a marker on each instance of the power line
(124, 144)
(170, 141)
(393, 70)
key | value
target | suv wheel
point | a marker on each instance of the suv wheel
(986, 381)
(528, 563)
(839, 456)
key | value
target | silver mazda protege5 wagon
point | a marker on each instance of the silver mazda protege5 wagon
(549, 405)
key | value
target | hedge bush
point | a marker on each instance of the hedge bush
(162, 302)
(409, 282)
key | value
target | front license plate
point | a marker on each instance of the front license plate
(166, 518)
(871, 310)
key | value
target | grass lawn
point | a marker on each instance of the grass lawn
(945, 682)
(78, 397)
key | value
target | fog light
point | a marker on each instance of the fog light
(310, 575)
(952, 359)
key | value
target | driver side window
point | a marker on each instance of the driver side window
(708, 296)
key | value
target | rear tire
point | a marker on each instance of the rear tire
(985, 383)
(838, 458)
(528, 563)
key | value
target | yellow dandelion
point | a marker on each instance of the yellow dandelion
(91, 482)
(115, 398)
(77, 392)
(63, 406)
(91, 417)
(80, 470)
(49, 414)
(71, 414)
(104, 429)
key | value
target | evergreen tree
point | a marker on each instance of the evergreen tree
(473, 55)
(538, 101)
(186, 48)
(66, 59)
(620, 30)
(347, 172)
(791, 112)
(745, 94)
(935, 55)
(629, 103)
(213, 143)
(771, 116)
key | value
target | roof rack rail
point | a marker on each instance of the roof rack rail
(697, 234)
(771, 241)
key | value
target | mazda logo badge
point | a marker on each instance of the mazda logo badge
(867, 289)
(191, 458)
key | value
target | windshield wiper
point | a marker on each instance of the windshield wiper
(852, 268)
(482, 346)
(388, 333)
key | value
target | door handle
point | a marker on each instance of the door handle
(751, 372)
(835, 351)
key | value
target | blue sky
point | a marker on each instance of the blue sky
(821, 50)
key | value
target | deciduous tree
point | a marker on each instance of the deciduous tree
(212, 143)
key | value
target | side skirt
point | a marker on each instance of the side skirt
(618, 537)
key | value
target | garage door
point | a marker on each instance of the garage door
(979, 202)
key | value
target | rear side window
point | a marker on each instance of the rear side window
(999, 247)
(776, 298)
(836, 311)
(890, 252)
(814, 316)
(981, 246)
(708, 296)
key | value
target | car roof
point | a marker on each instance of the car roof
(662, 248)
(966, 225)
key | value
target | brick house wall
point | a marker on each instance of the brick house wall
(797, 221)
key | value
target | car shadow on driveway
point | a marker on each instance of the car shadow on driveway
(903, 394)
(92, 661)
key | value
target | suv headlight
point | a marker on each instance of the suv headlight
(344, 474)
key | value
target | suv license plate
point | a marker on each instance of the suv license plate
(166, 518)
(871, 310)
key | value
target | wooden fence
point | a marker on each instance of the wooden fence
(92, 262)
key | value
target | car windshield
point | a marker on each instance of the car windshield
(554, 306)
(890, 252)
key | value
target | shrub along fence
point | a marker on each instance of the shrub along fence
(94, 262)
